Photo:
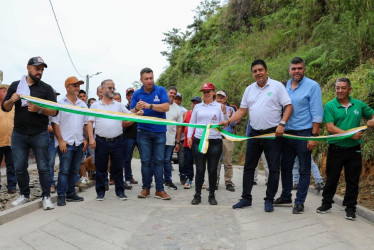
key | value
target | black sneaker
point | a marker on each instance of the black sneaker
(255, 183)
(280, 202)
(350, 214)
(196, 199)
(172, 186)
(127, 185)
(122, 197)
(61, 200)
(100, 197)
(230, 188)
(242, 204)
(183, 180)
(212, 199)
(298, 209)
(325, 208)
(74, 197)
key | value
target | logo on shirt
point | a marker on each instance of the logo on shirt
(270, 93)
(214, 118)
(156, 99)
(356, 112)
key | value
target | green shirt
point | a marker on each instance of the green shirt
(346, 118)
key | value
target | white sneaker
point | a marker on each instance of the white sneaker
(21, 200)
(47, 203)
(84, 180)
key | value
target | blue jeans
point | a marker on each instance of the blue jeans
(52, 151)
(291, 150)
(6, 151)
(130, 144)
(103, 150)
(151, 148)
(70, 163)
(272, 150)
(21, 145)
(187, 170)
(167, 163)
(315, 172)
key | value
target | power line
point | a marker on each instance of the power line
(63, 40)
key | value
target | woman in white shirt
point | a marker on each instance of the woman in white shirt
(209, 111)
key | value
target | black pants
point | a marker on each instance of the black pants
(350, 159)
(212, 157)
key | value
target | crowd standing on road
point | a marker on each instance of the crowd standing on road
(294, 108)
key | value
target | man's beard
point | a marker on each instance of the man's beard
(34, 78)
(109, 95)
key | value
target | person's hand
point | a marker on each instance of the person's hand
(357, 136)
(62, 146)
(33, 107)
(141, 105)
(311, 145)
(85, 145)
(176, 148)
(223, 108)
(15, 97)
(92, 143)
(140, 112)
(223, 123)
(189, 142)
(279, 131)
(230, 112)
(370, 123)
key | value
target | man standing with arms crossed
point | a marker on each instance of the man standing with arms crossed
(151, 138)
(68, 129)
(341, 114)
(305, 120)
(264, 100)
(31, 129)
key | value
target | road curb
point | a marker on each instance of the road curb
(16, 212)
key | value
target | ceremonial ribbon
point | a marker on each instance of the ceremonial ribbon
(204, 142)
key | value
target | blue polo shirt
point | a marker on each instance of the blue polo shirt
(158, 95)
(307, 104)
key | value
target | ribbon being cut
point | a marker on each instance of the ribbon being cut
(204, 143)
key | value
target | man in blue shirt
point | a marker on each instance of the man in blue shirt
(151, 138)
(305, 120)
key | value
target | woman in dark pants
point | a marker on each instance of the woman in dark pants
(209, 111)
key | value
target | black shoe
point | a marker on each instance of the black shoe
(212, 199)
(319, 186)
(350, 214)
(280, 202)
(298, 209)
(122, 197)
(100, 197)
(230, 188)
(196, 199)
(93, 177)
(107, 187)
(171, 185)
(254, 183)
(61, 200)
(128, 185)
(74, 197)
(325, 208)
(183, 180)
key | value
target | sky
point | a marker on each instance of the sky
(117, 38)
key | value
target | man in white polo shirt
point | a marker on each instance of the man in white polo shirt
(68, 129)
(264, 99)
(109, 142)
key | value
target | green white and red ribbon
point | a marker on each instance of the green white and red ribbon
(204, 142)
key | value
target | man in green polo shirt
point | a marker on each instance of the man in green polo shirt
(340, 114)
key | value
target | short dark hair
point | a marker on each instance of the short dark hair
(89, 100)
(257, 62)
(117, 93)
(173, 87)
(82, 91)
(296, 60)
(103, 82)
(145, 70)
(344, 79)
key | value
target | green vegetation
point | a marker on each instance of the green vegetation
(334, 37)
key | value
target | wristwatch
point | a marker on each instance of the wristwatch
(40, 111)
(282, 123)
(151, 106)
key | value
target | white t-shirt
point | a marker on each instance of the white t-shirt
(174, 114)
(205, 114)
(71, 125)
(104, 127)
(265, 104)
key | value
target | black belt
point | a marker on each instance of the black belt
(265, 131)
(109, 139)
(339, 148)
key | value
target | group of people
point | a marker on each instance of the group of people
(295, 109)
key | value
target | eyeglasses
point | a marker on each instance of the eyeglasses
(111, 88)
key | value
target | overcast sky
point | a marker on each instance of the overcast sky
(117, 38)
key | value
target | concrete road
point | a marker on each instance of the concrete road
(155, 224)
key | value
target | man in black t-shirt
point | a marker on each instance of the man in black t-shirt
(31, 129)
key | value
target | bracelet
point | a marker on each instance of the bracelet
(228, 122)
(136, 109)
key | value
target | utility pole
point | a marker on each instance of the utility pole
(88, 81)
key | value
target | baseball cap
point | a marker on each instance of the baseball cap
(73, 80)
(222, 93)
(207, 86)
(196, 99)
(4, 86)
(130, 90)
(179, 95)
(56, 93)
(37, 61)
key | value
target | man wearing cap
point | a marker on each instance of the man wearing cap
(30, 129)
(151, 138)
(70, 143)
(264, 99)
(129, 140)
(178, 100)
(6, 128)
(227, 145)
